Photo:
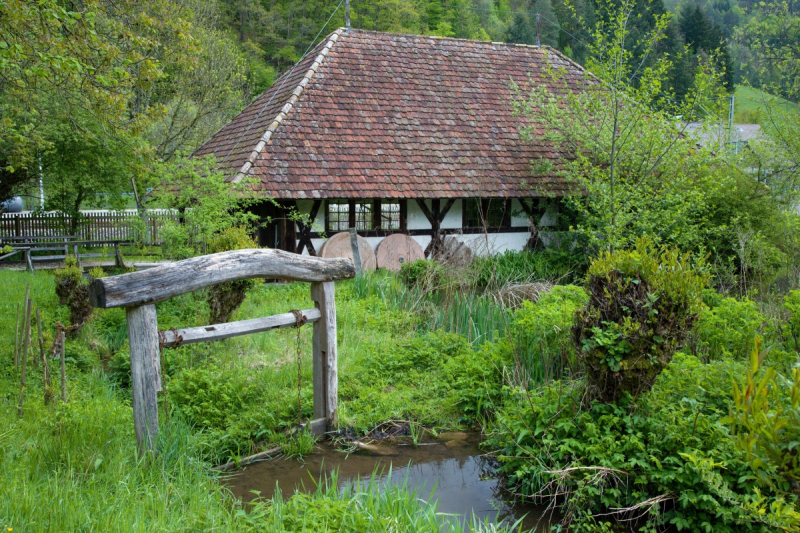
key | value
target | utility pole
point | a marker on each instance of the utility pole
(347, 14)
(538, 43)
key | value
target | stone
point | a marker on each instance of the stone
(339, 246)
(396, 250)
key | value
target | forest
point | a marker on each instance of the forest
(636, 368)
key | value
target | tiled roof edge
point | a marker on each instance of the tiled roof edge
(287, 107)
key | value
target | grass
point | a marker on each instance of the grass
(750, 105)
(73, 466)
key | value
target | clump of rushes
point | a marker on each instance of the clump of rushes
(642, 304)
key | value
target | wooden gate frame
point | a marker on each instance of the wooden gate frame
(139, 291)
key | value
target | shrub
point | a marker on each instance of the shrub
(642, 304)
(766, 423)
(667, 460)
(541, 333)
(728, 329)
(792, 327)
(423, 273)
(225, 298)
(73, 291)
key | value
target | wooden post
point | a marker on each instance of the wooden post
(63, 344)
(28, 261)
(324, 359)
(118, 262)
(77, 255)
(145, 373)
(356, 250)
(27, 344)
(16, 339)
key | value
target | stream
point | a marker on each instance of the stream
(464, 481)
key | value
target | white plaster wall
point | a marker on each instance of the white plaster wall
(453, 219)
(518, 217)
(415, 218)
(494, 243)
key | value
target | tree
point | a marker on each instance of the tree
(634, 170)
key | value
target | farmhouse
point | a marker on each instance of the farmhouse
(392, 133)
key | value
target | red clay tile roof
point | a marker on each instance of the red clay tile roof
(379, 115)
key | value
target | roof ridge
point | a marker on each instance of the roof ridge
(288, 106)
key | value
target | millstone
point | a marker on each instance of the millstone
(339, 246)
(397, 249)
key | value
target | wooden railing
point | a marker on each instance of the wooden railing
(91, 225)
(139, 291)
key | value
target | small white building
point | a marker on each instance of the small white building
(391, 133)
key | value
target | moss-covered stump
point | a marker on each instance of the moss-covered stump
(642, 305)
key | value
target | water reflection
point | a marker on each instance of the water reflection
(463, 479)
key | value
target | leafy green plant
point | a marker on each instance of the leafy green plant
(225, 298)
(668, 459)
(765, 421)
(642, 304)
(73, 291)
(207, 396)
(791, 303)
(421, 273)
(728, 329)
(541, 333)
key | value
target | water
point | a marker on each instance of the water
(463, 479)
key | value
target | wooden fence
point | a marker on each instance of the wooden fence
(91, 226)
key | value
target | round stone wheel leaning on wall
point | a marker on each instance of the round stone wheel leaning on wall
(339, 246)
(397, 249)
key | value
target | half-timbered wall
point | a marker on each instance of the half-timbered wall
(418, 226)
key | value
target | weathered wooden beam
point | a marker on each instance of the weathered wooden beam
(234, 329)
(324, 356)
(356, 250)
(145, 373)
(166, 281)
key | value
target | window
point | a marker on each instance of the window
(365, 215)
(390, 215)
(338, 216)
(364, 218)
(485, 213)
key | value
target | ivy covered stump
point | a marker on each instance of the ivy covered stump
(642, 304)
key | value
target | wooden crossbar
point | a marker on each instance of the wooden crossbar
(234, 329)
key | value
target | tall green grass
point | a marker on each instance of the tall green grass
(366, 506)
(476, 316)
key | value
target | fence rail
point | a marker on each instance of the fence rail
(90, 226)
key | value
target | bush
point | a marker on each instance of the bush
(422, 273)
(728, 329)
(642, 305)
(541, 333)
(73, 291)
(668, 460)
(225, 298)
(791, 330)
(766, 424)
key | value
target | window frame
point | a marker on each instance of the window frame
(377, 216)
(486, 204)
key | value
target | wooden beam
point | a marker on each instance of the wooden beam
(169, 280)
(145, 373)
(324, 355)
(234, 329)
